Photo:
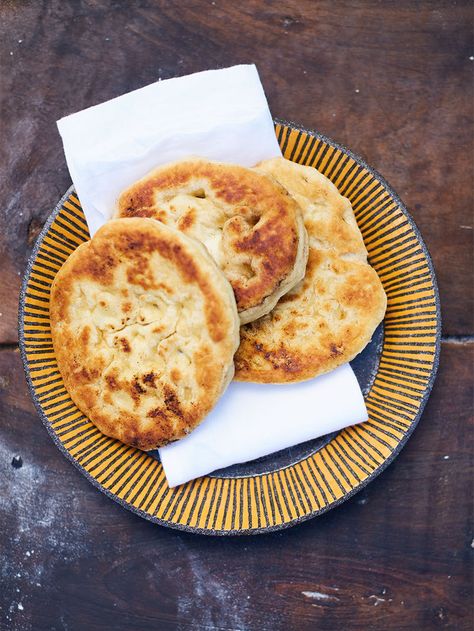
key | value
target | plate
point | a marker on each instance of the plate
(396, 372)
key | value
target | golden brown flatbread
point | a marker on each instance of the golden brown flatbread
(250, 225)
(330, 316)
(144, 328)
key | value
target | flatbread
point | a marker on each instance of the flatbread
(328, 318)
(250, 225)
(144, 328)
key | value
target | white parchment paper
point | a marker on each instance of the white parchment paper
(220, 115)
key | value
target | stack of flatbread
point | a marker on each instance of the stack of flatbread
(210, 271)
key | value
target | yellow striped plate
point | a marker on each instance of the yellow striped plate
(397, 374)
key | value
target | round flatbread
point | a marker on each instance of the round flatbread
(249, 224)
(144, 328)
(328, 318)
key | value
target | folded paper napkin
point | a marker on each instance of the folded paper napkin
(221, 115)
(252, 420)
(218, 114)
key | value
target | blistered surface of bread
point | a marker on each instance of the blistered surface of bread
(328, 318)
(249, 224)
(144, 328)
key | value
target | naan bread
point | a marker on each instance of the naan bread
(144, 328)
(331, 315)
(250, 225)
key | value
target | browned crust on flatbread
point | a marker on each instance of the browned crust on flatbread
(142, 403)
(261, 221)
(330, 316)
(261, 360)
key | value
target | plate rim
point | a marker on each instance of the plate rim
(292, 126)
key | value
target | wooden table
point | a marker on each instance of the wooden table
(392, 81)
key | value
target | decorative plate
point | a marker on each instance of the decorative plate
(396, 372)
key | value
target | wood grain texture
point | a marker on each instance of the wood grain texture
(396, 556)
(390, 80)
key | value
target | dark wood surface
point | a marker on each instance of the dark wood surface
(392, 81)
